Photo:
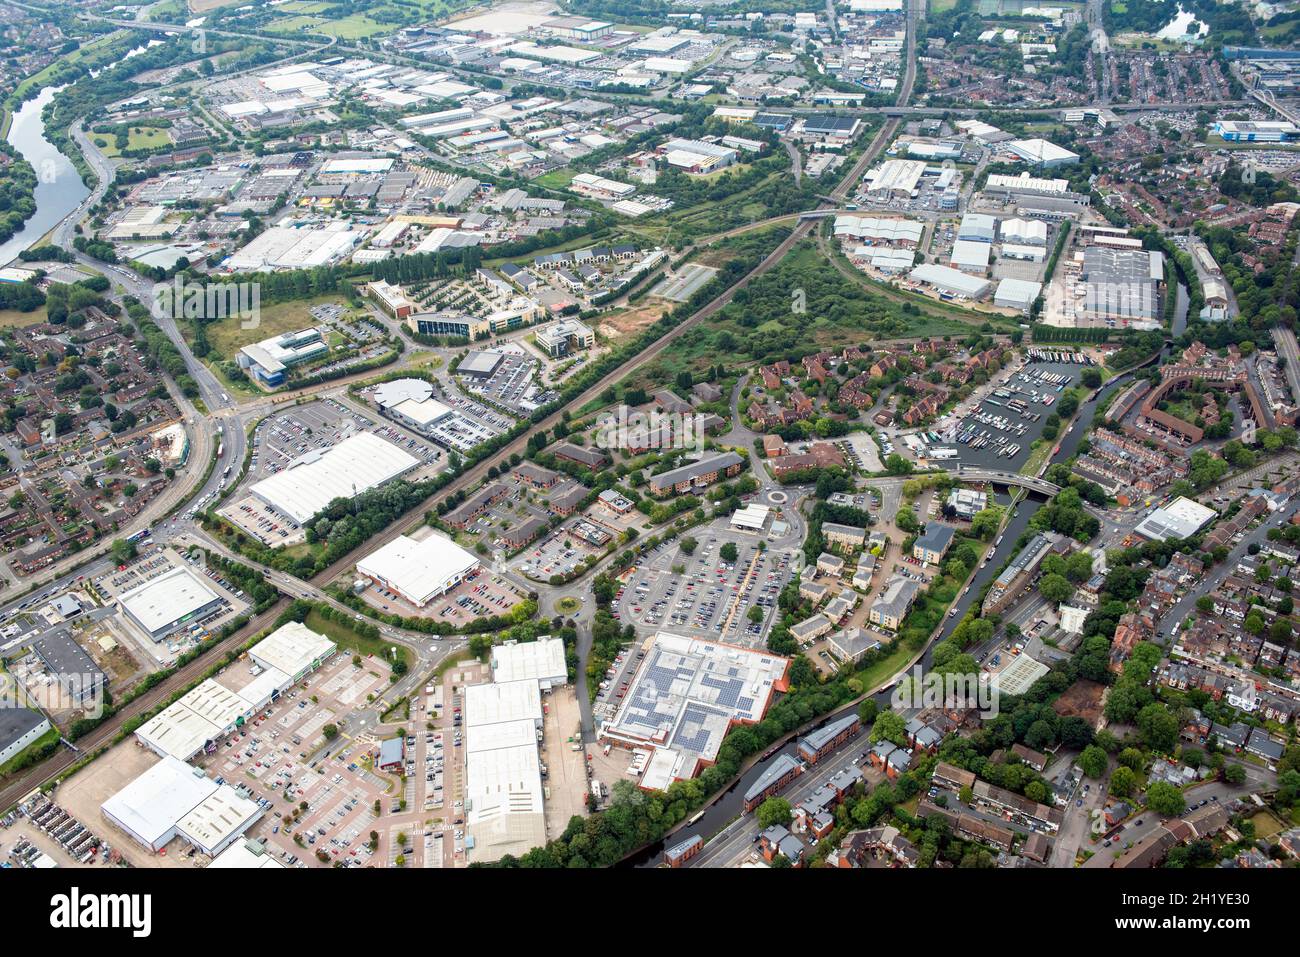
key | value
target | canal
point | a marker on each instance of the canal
(59, 189)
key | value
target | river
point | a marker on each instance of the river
(59, 189)
(728, 806)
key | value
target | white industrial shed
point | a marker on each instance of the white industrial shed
(216, 822)
(503, 701)
(1017, 294)
(419, 571)
(949, 280)
(541, 661)
(207, 713)
(293, 649)
(358, 463)
(971, 255)
(163, 604)
(150, 807)
(503, 783)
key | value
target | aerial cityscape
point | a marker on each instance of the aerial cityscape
(648, 434)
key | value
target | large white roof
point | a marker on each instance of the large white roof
(168, 598)
(203, 714)
(952, 280)
(1041, 151)
(177, 731)
(291, 649)
(1179, 519)
(358, 463)
(153, 804)
(222, 815)
(541, 660)
(502, 701)
(419, 570)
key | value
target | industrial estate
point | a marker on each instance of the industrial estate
(852, 434)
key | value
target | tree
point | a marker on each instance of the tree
(728, 552)
(1123, 782)
(331, 731)
(1159, 727)
(1234, 773)
(906, 520)
(774, 810)
(756, 614)
(687, 545)
(1093, 761)
(1165, 799)
(1055, 588)
(122, 551)
(889, 727)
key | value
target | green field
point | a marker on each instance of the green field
(138, 138)
(13, 319)
(227, 336)
(345, 637)
(556, 178)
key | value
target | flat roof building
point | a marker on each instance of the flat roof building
(950, 281)
(151, 807)
(685, 696)
(1181, 518)
(269, 361)
(294, 650)
(1016, 293)
(542, 661)
(19, 729)
(246, 855)
(419, 571)
(161, 605)
(311, 482)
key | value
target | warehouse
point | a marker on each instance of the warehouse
(977, 227)
(897, 232)
(600, 187)
(949, 281)
(219, 821)
(357, 464)
(1026, 184)
(419, 571)
(173, 799)
(294, 650)
(480, 365)
(420, 414)
(163, 604)
(297, 246)
(1041, 153)
(1269, 131)
(541, 661)
(197, 721)
(685, 696)
(1016, 294)
(970, 255)
(503, 783)
(895, 178)
(1024, 232)
(19, 729)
